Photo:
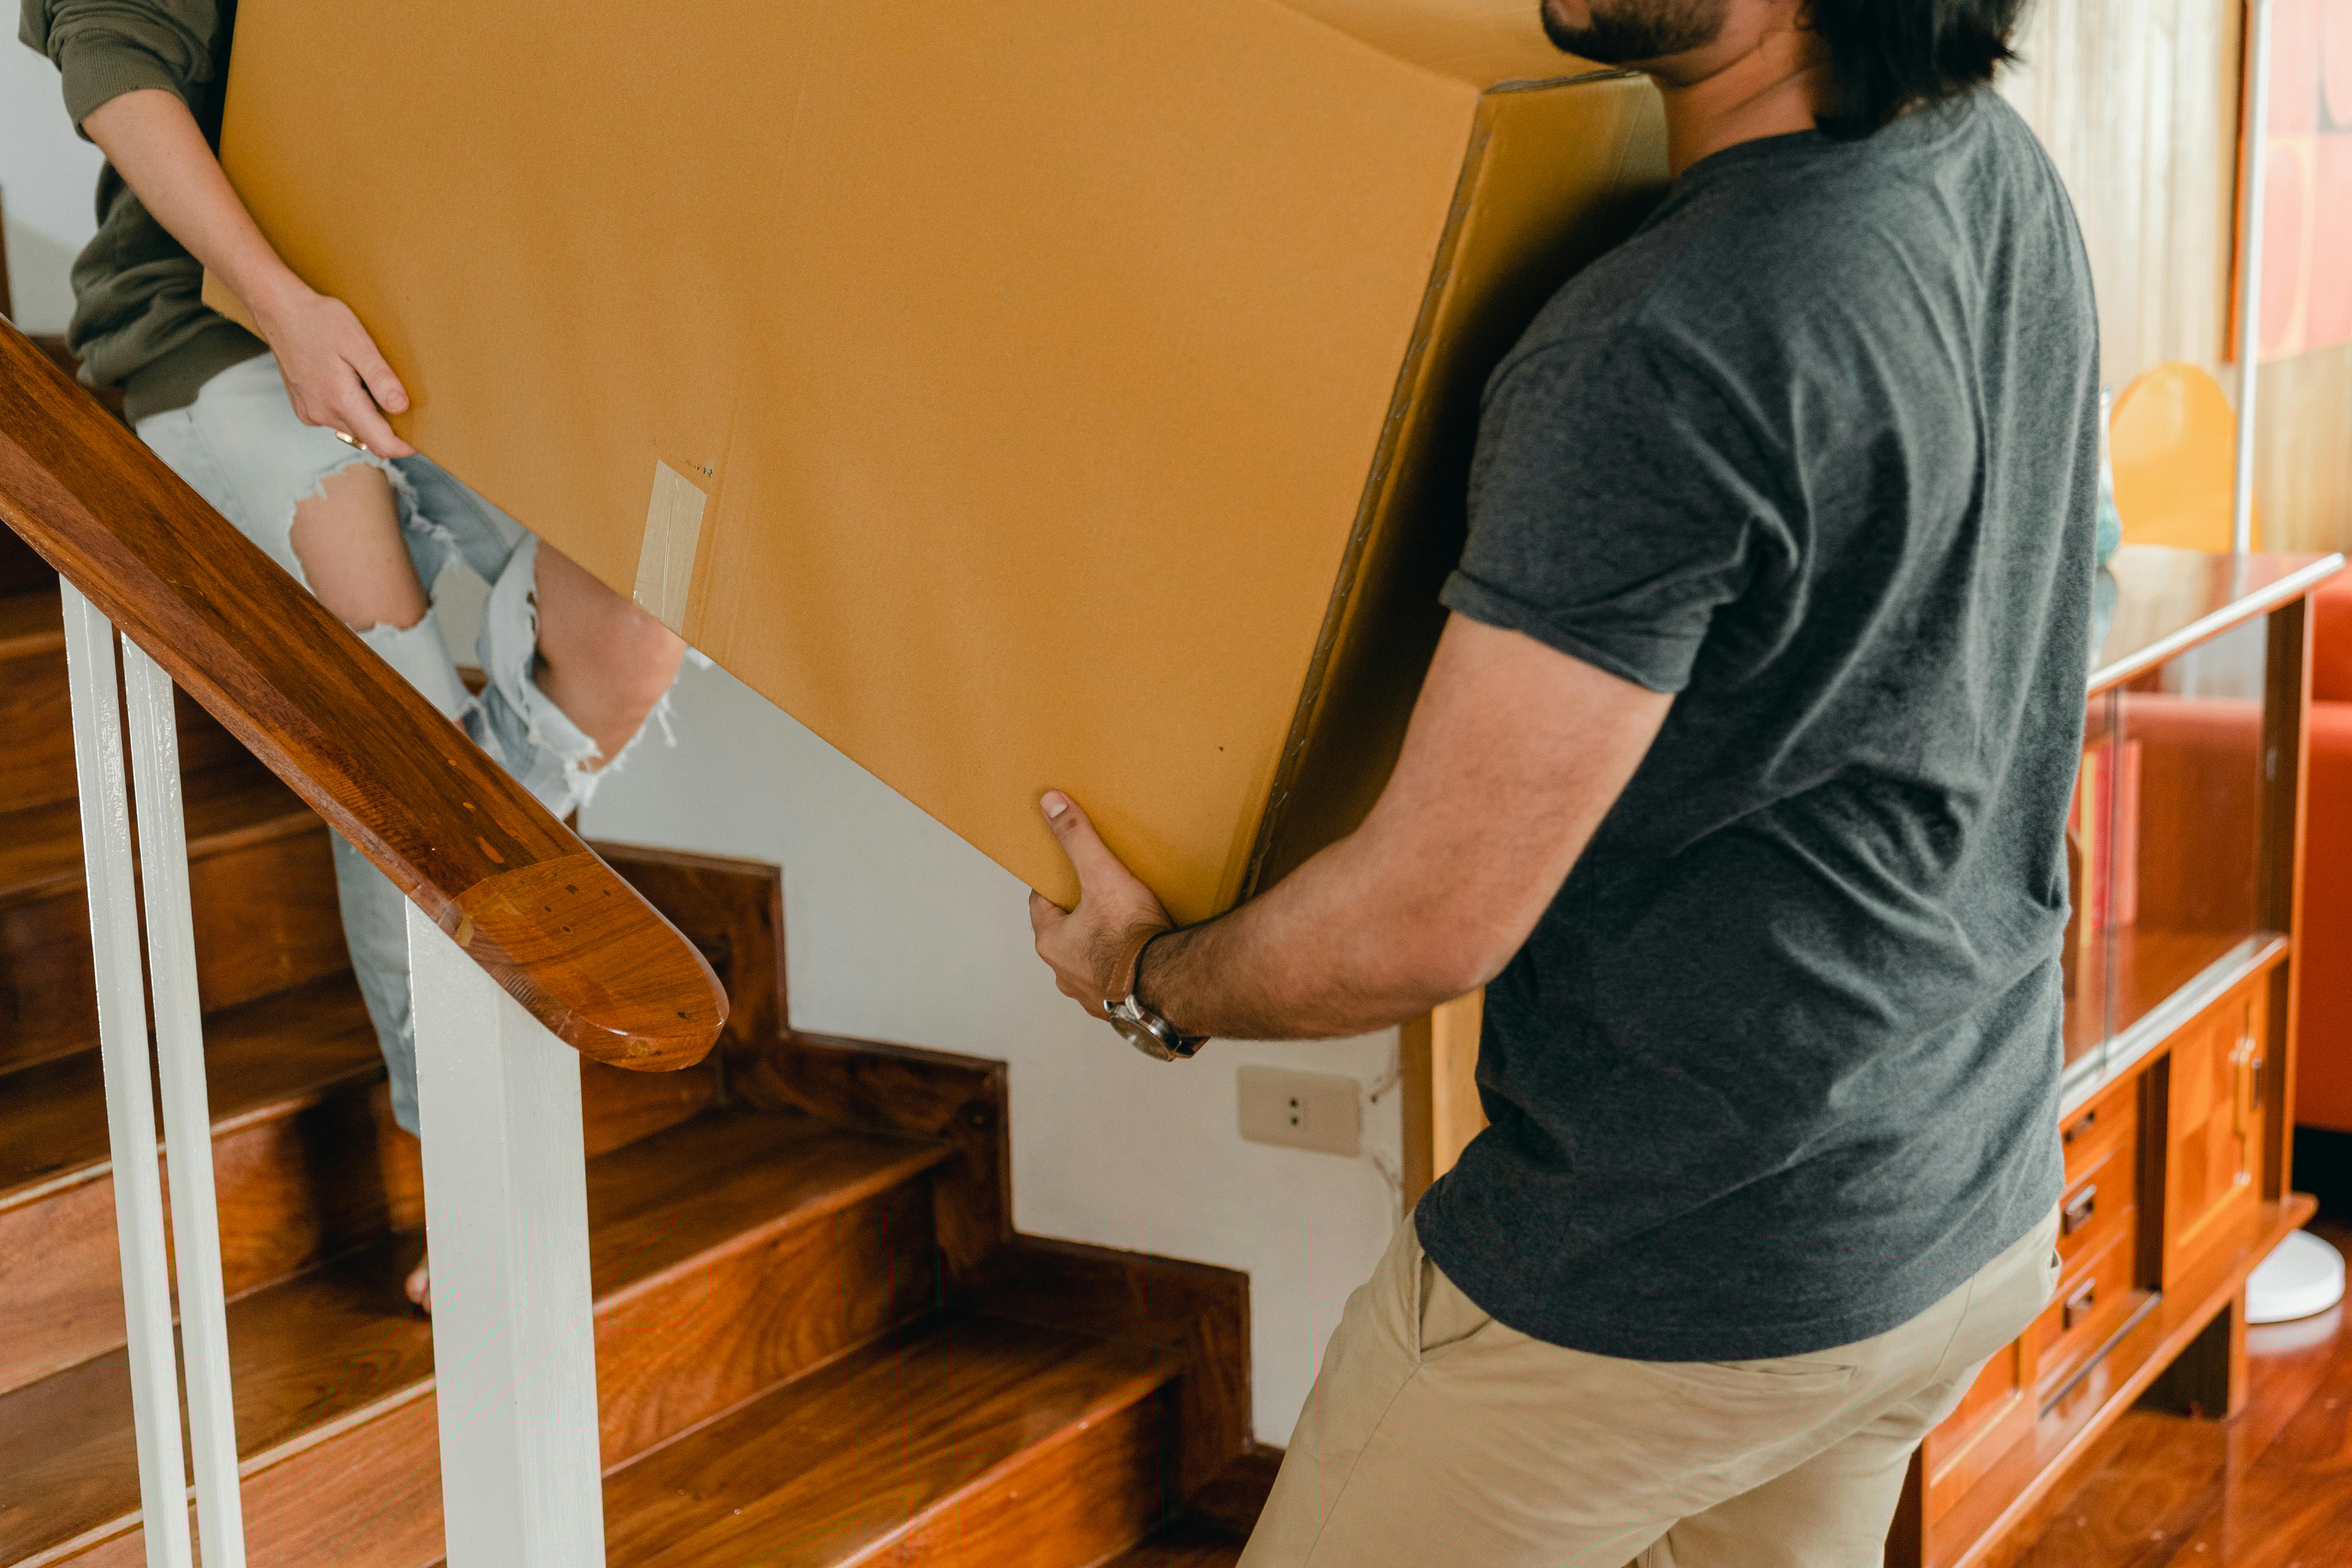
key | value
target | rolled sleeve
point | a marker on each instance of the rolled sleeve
(104, 49)
(1613, 507)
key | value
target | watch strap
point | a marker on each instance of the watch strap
(1127, 970)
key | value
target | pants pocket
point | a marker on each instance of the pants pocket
(1447, 1318)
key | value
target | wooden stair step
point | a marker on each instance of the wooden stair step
(1215, 1522)
(37, 713)
(32, 624)
(960, 1442)
(1186, 1543)
(308, 1162)
(729, 1253)
(263, 1058)
(227, 807)
(305, 1162)
(261, 880)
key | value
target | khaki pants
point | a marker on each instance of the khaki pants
(1436, 1437)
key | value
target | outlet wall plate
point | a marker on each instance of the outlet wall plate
(1319, 1110)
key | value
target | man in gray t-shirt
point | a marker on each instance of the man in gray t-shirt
(1741, 777)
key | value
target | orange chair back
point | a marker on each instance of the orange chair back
(2173, 440)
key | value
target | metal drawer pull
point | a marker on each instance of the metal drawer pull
(2079, 1209)
(2078, 1305)
(2080, 1125)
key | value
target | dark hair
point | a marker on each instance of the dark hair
(1888, 56)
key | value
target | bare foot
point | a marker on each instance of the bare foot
(420, 1286)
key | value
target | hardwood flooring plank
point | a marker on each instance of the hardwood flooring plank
(2270, 1488)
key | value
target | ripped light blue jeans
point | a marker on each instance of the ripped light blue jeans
(240, 446)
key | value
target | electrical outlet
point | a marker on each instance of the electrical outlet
(1319, 1110)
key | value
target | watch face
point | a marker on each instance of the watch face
(1143, 1038)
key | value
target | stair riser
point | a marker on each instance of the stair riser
(36, 715)
(676, 1352)
(1096, 1492)
(266, 919)
(292, 1191)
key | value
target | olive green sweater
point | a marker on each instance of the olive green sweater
(138, 320)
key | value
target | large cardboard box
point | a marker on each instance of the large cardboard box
(1019, 393)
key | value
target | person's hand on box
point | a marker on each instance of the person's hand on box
(1084, 944)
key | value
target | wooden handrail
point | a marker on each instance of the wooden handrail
(552, 924)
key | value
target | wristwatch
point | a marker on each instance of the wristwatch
(1144, 1029)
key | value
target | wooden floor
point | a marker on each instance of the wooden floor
(2272, 1488)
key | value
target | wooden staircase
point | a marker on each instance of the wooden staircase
(818, 1341)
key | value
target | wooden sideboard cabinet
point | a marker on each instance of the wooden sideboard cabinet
(2183, 856)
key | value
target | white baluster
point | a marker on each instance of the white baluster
(187, 1110)
(506, 1208)
(130, 1087)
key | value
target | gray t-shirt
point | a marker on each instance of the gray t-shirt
(1817, 450)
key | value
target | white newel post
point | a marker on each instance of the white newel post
(506, 1207)
(130, 1086)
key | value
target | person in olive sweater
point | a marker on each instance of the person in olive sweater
(285, 435)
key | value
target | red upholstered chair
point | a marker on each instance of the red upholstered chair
(2324, 1078)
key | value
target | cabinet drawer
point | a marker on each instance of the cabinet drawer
(2095, 1298)
(2100, 1203)
(2110, 1121)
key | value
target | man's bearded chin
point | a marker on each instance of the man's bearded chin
(1622, 31)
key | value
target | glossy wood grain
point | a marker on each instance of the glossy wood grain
(1212, 1528)
(564, 935)
(957, 1099)
(1191, 1311)
(2272, 1486)
(261, 882)
(733, 911)
(1989, 1521)
(728, 1255)
(36, 766)
(306, 1164)
(871, 1460)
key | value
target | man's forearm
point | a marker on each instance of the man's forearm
(1308, 961)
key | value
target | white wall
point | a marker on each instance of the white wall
(48, 179)
(898, 930)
